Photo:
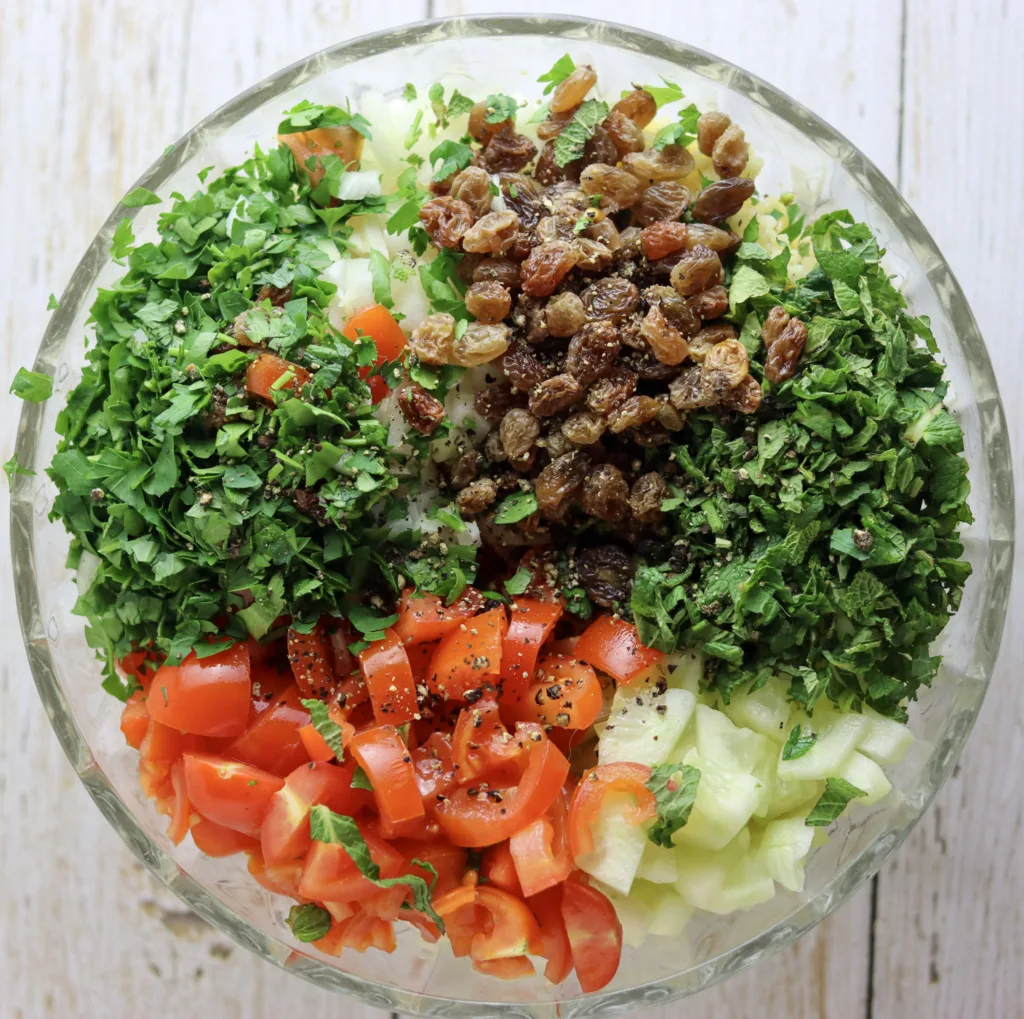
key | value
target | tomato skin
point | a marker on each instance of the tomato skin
(228, 793)
(344, 142)
(262, 373)
(613, 646)
(273, 742)
(622, 776)
(514, 931)
(379, 324)
(594, 933)
(530, 625)
(180, 810)
(468, 659)
(135, 720)
(515, 968)
(160, 748)
(281, 880)
(424, 618)
(384, 757)
(284, 834)
(204, 696)
(547, 908)
(481, 745)
(215, 840)
(499, 868)
(389, 679)
(449, 861)
(329, 874)
(477, 821)
(540, 851)
(309, 655)
(578, 696)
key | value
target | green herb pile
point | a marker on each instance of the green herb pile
(820, 540)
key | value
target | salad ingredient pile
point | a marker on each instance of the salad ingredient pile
(499, 517)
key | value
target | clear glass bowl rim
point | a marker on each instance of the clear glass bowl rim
(996, 451)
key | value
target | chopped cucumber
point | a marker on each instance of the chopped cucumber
(862, 772)
(644, 725)
(837, 738)
(669, 912)
(791, 797)
(725, 744)
(618, 845)
(634, 914)
(784, 848)
(658, 865)
(721, 882)
(683, 670)
(725, 803)
(765, 710)
(883, 740)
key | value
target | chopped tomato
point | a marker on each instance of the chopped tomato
(505, 969)
(385, 758)
(621, 777)
(310, 658)
(316, 746)
(594, 932)
(554, 942)
(269, 682)
(343, 141)
(540, 851)
(364, 931)
(449, 861)
(513, 928)
(499, 868)
(420, 657)
(469, 659)
(282, 879)
(434, 769)
(531, 623)
(229, 793)
(141, 666)
(352, 691)
(273, 742)
(330, 874)
(389, 679)
(483, 819)
(160, 748)
(285, 831)
(424, 618)
(135, 719)
(216, 840)
(206, 696)
(613, 646)
(262, 375)
(180, 810)
(379, 324)
(481, 745)
(566, 693)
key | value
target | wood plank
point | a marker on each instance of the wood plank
(101, 89)
(950, 924)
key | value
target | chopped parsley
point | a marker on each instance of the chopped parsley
(682, 131)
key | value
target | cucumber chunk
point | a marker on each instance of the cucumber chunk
(784, 848)
(837, 738)
(644, 725)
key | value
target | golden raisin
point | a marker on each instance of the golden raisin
(605, 494)
(662, 238)
(497, 270)
(479, 344)
(555, 395)
(565, 313)
(557, 484)
(584, 428)
(710, 126)
(479, 128)
(519, 431)
(784, 352)
(446, 220)
(639, 106)
(726, 365)
(625, 135)
(492, 234)
(646, 496)
(668, 344)
(701, 344)
(635, 411)
(432, 339)
(650, 166)
(546, 266)
(729, 155)
(473, 186)
(571, 91)
(616, 188)
(423, 411)
(613, 298)
(476, 497)
(506, 151)
(488, 302)
(721, 199)
(745, 398)
(711, 303)
(667, 200)
(592, 351)
(697, 270)
(608, 393)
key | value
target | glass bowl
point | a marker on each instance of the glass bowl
(802, 154)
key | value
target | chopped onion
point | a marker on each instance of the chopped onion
(358, 184)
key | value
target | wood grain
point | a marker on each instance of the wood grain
(950, 924)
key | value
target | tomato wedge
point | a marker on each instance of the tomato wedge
(566, 693)
(530, 625)
(329, 874)
(469, 659)
(310, 658)
(215, 840)
(273, 742)
(483, 819)
(284, 834)
(380, 325)
(424, 618)
(262, 375)
(554, 941)
(515, 968)
(540, 851)
(385, 758)
(282, 879)
(135, 719)
(481, 745)
(499, 868)
(389, 679)
(228, 793)
(511, 929)
(594, 933)
(343, 141)
(206, 696)
(180, 809)
(595, 785)
(613, 646)
(316, 746)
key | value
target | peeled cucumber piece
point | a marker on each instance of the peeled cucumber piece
(792, 797)
(725, 802)
(669, 911)
(640, 732)
(862, 772)
(683, 670)
(766, 710)
(884, 740)
(618, 845)
(724, 881)
(837, 738)
(658, 865)
(728, 745)
(634, 914)
(784, 848)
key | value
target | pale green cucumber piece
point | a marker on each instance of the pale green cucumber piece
(784, 848)
(837, 734)
(644, 725)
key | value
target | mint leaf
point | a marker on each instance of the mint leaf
(309, 922)
(325, 725)
(367, 620)
(838, 793)
(570, 143)
(459, 104)
(675, 789)
(327, 826)
(670, 92)
(560, 70)
(409, 92)
(746, 283)
(360, 780)
(138, 197)
(500, 108)
(123, 240)
(307, 116)
(515, 507)
(798, 744)
(52, 304)
(682, 132)
(519, 582)
(31, 386)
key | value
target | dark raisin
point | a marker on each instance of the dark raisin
(520, 196)
(592, 351)
(646, 366)
(745, 398)
(711, 303)
(497, 270)
(524, 370)
(546, 267)
(612, 298)
(446, 220)
(722, 199)
(606, 574)
(600, 148)
(519, 431)
(465, 469)
(646, 496)
(476, 497)
(507, 151)
(548, 172)
(635, 411)
(557, 484)
(554, 395)
(423, 411)
(278, 296)
(697, 270)
(690, 390)
(494, 402)
(784, 352)
(605, 494)
(606, 394)
(667, 200)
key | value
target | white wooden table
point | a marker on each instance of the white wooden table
(90, 93)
